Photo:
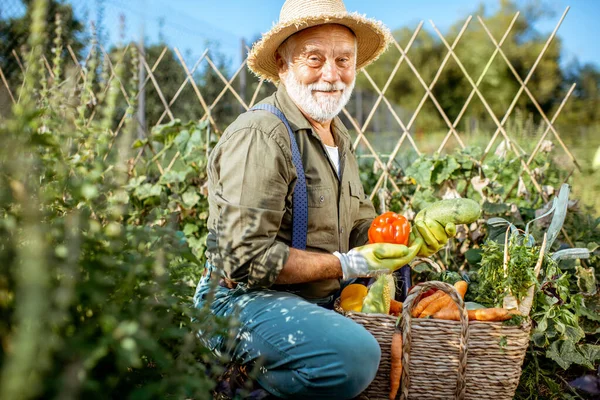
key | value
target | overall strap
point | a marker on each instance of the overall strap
(299, 197)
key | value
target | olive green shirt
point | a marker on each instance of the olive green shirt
(251, 180)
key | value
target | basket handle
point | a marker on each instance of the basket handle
(409, 305)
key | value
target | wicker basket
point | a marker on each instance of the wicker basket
(382, 327)
(459, 359)
(447, 359)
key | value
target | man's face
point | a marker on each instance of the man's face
(320, 71)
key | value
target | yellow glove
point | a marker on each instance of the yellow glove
(434, 236)
(377, 258)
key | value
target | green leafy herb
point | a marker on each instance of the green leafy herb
(496, 282)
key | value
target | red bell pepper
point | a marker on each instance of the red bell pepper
(389, 227)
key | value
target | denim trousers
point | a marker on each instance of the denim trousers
(304, 349)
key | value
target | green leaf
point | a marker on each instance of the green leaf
(586, 280)
(194, 144)
(553, 353)
(495, 208)
(574, 333)
(592, 316)
(181, 140)
(139, 143)
(190, 229)
(503, 342)
(166, 133)
(198, 246)
(473, 256)
(421, 172)
(135, 182)
(89, 191)
(147, 190)
(190, 198)
(423, 198)
(175, 176)
(539, 339)
(561, 201)
(119, 197)
(444, 170)
(591, 352)
(542, 325)
(570, 353)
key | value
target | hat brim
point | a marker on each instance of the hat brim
(372, 40)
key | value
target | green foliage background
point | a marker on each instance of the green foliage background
(95, 286)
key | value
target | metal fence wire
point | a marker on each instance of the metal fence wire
(232, 100)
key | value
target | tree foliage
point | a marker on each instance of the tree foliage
(499, 85)
(14, 34)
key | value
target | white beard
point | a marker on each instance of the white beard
(319, 108)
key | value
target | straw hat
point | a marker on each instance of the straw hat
(372, 36)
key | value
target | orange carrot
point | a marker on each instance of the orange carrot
(445, 300)
(396, 367)
(448, 313)
(461, 287)
(494, 314)
(395, 307)
(435, 306)
(425, 302)
(483, 314)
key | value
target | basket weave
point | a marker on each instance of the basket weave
(459, 359)
(447, 359)
(382, 327)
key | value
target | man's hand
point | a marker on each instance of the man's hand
(377, 258)
(434, 236)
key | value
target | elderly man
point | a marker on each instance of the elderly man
(289, 216)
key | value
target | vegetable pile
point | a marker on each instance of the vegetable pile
(440, 219)
(377, 299)
(440, 305)
(554, 284)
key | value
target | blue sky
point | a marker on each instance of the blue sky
(188, 24)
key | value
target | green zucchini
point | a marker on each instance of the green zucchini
(457, 211)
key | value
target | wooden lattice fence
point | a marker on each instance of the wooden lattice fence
(363, 143)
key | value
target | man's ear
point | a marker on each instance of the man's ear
(282, 65)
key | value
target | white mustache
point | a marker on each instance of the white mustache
(326, 87)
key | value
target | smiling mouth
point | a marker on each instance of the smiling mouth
(327, 91)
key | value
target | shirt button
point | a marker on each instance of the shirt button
(322, 199)
(341, 230)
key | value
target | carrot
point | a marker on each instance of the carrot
(425, 302)
(494, 314)
(442, 302)
(483, 314)
(448, 313)
(395, 307)
(461, 287)
(396, 367)
(445, 300)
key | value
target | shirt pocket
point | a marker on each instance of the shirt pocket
(322, 216)
(319, 197)
(357, 190)
(357, 194)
